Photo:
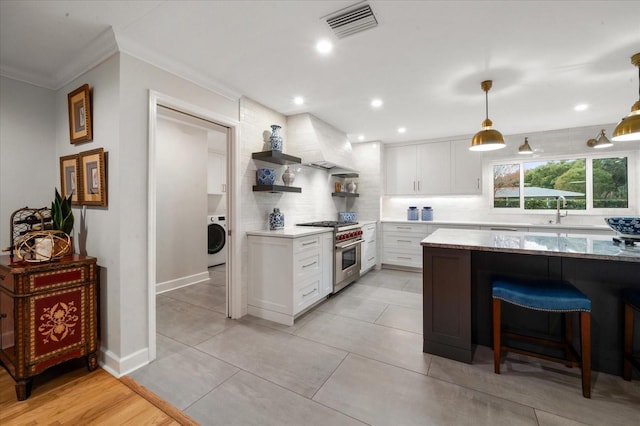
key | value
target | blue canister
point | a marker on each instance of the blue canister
(427, 213)
(412, 213)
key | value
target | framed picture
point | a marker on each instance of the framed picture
(69, 183)
(80, 121)
(93, 182)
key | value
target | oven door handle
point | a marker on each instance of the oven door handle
(349, 245)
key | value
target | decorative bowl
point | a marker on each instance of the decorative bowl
(266, 176)
(625, 226)
(347, 217)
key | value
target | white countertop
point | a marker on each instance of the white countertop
(291, 232)
(298, 231)
(583, 246)
(603, 227)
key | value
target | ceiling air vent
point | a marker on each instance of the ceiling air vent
(352, 21)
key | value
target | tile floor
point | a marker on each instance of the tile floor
(356, 359)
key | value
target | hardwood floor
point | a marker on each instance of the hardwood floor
(70, 395)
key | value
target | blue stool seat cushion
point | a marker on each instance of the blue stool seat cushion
(632, 297)
(542, 295)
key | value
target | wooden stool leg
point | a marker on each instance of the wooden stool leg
(585, 348)
(628, 342)
(496, 335)
(568, 337)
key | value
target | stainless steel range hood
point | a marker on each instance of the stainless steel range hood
(320, 145)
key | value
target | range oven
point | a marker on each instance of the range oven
(347, 251)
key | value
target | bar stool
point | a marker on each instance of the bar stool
(547, 296)
(631, 300)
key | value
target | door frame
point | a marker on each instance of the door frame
(234, 307)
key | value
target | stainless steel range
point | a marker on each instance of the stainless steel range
(347, 251)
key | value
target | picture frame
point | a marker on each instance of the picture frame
(80, 118)
(93, 182)
(69, 182)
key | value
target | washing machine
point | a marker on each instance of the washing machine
(217, 239)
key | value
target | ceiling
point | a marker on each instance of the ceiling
(425, 59)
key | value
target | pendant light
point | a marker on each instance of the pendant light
(525, 148)
(628, 129)
(487, 139)
(601, 142)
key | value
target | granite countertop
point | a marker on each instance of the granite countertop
(600, 247)
(603, 227)
(291, 232)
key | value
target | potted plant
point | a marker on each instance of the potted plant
(62, 216)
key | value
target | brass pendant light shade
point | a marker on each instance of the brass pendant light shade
(628, 129)
(487, 139)
(601, 142)
(525, 148)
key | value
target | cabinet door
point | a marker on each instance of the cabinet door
(400, 170)
(327, 263)
(433, 168)
(466, 169)
(216, 173)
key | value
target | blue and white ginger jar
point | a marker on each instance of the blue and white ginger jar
(275, 140)
(276, 219)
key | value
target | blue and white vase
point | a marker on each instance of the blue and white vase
(276, 219)
(275, 140)
(266, 176)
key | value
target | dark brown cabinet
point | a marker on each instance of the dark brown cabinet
(447, 303)
(48, 315)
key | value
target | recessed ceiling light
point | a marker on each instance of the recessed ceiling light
(324, 46)
(376, 103)
(298, 100)
(581, 107)
(361, 137)
(402, 129)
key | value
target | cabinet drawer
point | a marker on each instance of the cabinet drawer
(307, 264)
(419, 228)
(402, 258)
(307, 294)
(49, 280)
(403, 241)
(307, 243)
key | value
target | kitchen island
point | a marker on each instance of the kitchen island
(458, 266)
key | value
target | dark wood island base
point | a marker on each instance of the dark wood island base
(458, 266)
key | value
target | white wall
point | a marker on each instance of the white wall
(548, 144)
(369, 163)
(28, 162)
(181, 164)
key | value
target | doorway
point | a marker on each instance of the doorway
(180, 137)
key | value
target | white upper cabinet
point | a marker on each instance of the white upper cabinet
(418, 169)
(437, 168)
(466, 169)
(216, 173)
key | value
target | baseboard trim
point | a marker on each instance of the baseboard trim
(181, 282)
(119, 367)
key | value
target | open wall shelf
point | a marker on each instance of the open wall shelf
(276, 157)
(344, 194)
(275, 188)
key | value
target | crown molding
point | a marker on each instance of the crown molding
(139, 51)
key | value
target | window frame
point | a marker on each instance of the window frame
(589, 157)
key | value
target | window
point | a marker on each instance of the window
(585, 183)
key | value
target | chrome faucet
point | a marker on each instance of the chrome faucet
(564, 206)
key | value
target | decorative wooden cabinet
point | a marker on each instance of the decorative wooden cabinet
(48, 315)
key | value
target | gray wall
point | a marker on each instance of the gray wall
(28, 171)
(181, 165)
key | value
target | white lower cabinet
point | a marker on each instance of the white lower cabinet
(401, 244)
(288, 275)
(369, 247)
